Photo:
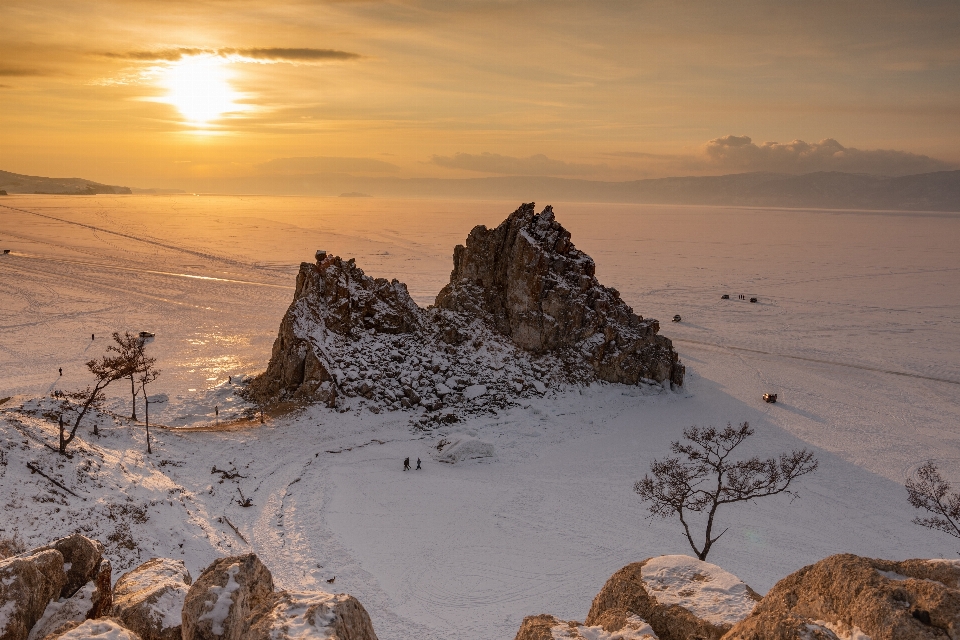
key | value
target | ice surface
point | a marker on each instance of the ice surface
(857, 329)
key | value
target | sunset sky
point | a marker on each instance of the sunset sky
(153, 93)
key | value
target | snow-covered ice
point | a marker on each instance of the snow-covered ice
(857, 328)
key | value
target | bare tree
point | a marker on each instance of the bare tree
(930, 492)
(146, 373)
(130, 359)
(705, 478)
(104, 371)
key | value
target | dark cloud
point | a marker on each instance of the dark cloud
(536, 165)
(327, 164)
(740, 153)
(17, 72)
(291, 55)
(271, 54)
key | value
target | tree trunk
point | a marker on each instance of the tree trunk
(133, 395)
(146, 410)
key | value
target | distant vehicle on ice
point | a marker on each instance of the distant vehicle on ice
(146, 334)
(676, 318)
(770, 397)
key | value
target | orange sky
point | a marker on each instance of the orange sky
(151, 93)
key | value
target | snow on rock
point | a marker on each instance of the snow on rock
(704, 589)
(28, 583)
(150, 598)
(523, 312)
(306, 615)
(679, 596)
(861, 598)
(219, 603)
(547, 627)
(459, 447)
(64, 611)
(102, 629)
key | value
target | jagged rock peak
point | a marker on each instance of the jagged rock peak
(523, 312)
(528, 280)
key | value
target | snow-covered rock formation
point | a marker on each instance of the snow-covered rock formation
(233, 599)
(523, 312)
(856, 597)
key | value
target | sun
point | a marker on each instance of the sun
(199, 87)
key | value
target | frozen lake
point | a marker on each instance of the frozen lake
(857, 328)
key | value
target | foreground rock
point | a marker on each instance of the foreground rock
(81, 557)
(886, 600)
(28, 583)
(149, 599)
(527, 279)
(220, 603)
(306, 615)
(678, 596)
(546, 627)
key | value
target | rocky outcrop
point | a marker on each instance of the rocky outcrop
(679, 596)
(81, 557)
(103, 628)
(149, 599)
(886, 600)
(523, 312)
(28, 583)
(529, 281)
(547, 627)
(305, 615)
(220, 603)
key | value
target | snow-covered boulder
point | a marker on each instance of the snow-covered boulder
(461, 446)
(679, 596)
(219, 604)
(28, 583)
(81, 557)
(102, 629)
(65, 611)
(881, 599)
(307, 615)
(149, 599)
(547, 627)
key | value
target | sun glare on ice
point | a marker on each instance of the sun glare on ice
(199, 88)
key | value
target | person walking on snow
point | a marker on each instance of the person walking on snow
(406, 464)
(60, 370)
(418, 464)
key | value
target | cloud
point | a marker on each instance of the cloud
(740, 153)
(18, 72)
(322, 164)
(269, 54)
(535, 165)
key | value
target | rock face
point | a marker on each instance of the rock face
(149, 599)
(221, 601)
(523, 312)
(305, 615)
(28, 583)
(529, 281)
(547, 627)
(82, 555)
(679, 596)
(886, 600)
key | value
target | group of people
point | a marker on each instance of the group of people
(406, 464)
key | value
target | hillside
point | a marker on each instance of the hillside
(17, 183)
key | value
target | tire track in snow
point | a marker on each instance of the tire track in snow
(820, 361)
(128, 236)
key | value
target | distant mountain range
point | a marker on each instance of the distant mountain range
(937, 191)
